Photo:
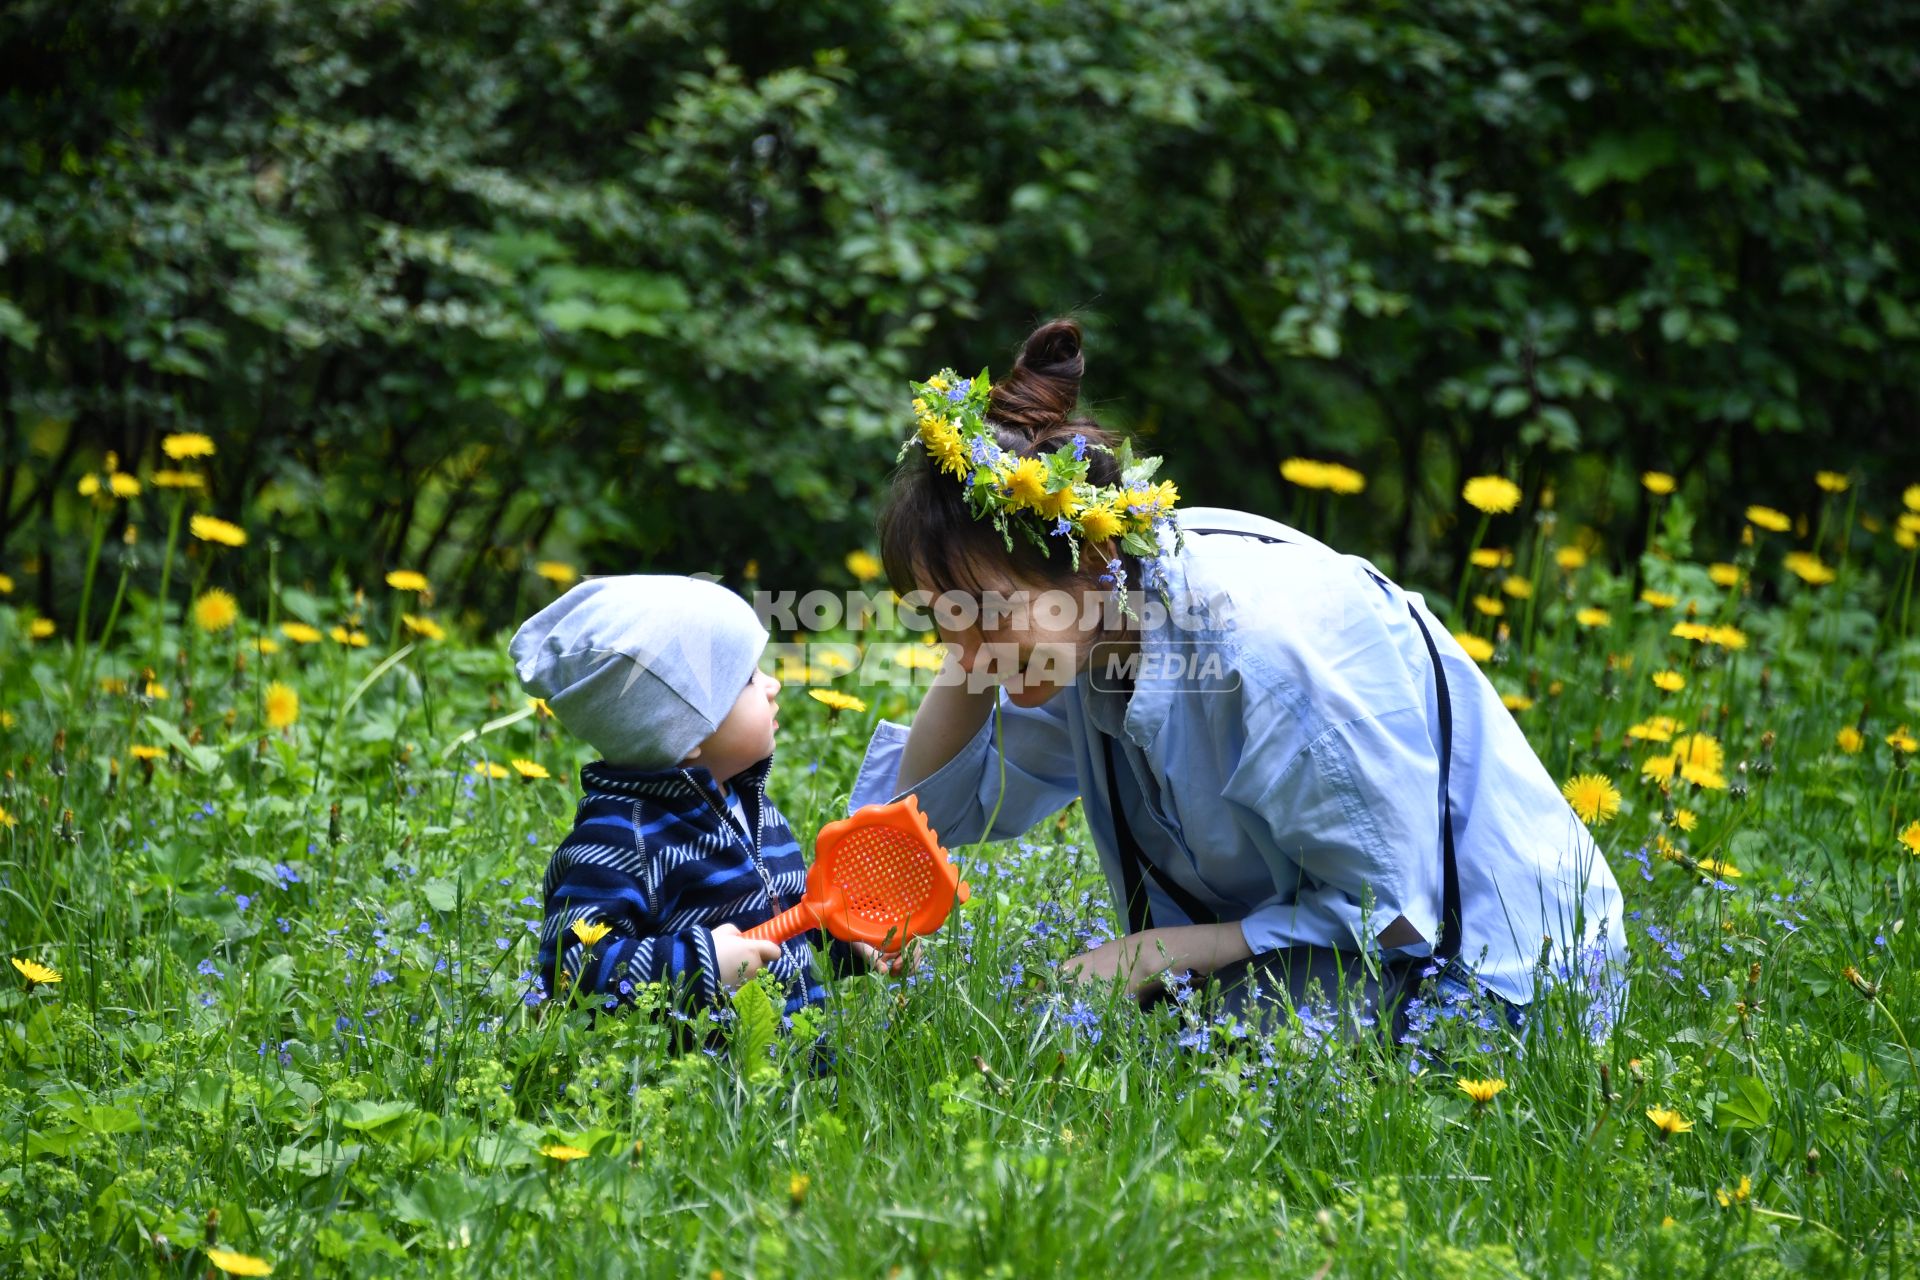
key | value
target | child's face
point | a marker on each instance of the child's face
(745, 737)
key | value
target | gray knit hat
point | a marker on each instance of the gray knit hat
(642, 667)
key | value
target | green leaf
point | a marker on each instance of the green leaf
(1620, 157)
(441, 893)
(1747, 1105)
(756, 1024)
(1510, 401)
(366, 1116)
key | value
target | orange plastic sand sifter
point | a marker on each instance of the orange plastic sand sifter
(879, 877)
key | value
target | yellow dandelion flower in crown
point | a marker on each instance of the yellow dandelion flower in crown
(1044, 496)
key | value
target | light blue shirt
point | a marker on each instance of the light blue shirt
(1281, 762)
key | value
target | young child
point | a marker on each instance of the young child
(675, 846)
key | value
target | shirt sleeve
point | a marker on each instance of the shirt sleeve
(1353, 826)
(1028, 776)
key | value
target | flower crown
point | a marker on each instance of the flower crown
(1046, 496)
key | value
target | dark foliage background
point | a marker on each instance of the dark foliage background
(456, 286)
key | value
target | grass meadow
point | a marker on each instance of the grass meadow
(270, 877)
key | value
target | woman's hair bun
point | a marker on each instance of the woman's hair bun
(1041, 390)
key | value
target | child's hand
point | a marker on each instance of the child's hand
(890, 963)
(740, 957)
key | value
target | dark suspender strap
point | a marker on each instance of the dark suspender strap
(1133, 858)
(1449, 944)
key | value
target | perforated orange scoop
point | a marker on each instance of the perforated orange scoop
(879, 877)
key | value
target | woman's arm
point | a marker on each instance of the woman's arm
(948, 718)
(1139, 958)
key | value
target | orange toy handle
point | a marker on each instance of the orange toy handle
(791, 923)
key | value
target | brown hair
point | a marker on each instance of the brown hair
(928, 536)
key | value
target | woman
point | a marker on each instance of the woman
(1281, 791)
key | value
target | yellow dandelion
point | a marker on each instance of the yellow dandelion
(215, 610)
(6, 585)
(407, 580)
(864, 565)
(1910, 837)
(835, 659)
(562, 1152)
(352, 639)
(36, 972)
(1769, 519)
(1491, 557)
(529, 770)
(1099, 523)
(1489, 605)
(214, 529)
(488, 769)
(1685, 819)
(157, 691)
(1740, 1193)
(1658, 599)
(1903, 741)
(1481, 1091)
(1911, 497)
(1807, 567)
(167, 478)
(944, 445)
(1344, 480)
(112, 684)
(836, 701)
(1696, 631)
(124, 485)
(591, 932)
(1492, 495)
(88, 486)
(1831, 481)
(1850, 740)
(540, 708)
(1517, 587)
(1593, 618)
(267, 644)
(1516, 702)
(1715, 867)
(1570, 558)
(283, 705)
(1669, 681)
(140, 751)
(1061, 502)
(425, 628)
(1657, 483)
(557, 572)
(1655, 729)
(1593, 797)
(798, 1184)
(1723, 574)
(1701, 750)
(238, 1264)
(40, 628)
(1304, 472)
(300, 632)
(1477, 647)
(7, 820)
(187, 444)
(1668, 1121)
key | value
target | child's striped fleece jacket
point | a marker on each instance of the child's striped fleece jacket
(655, 855)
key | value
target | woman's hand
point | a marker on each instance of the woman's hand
(1140, 958)
(891, 963)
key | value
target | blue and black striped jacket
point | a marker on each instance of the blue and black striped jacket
(654, 855)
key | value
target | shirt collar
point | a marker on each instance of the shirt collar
(681, 785)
